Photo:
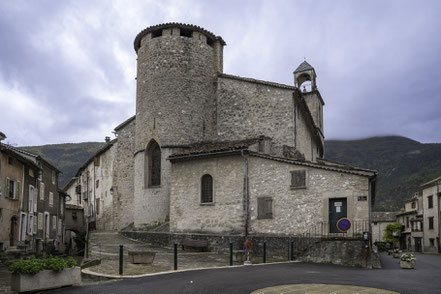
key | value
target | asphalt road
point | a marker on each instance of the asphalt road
(425, 278)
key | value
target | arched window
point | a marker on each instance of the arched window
(153, 167)
(207, 189)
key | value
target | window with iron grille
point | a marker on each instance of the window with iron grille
(298, 179)
(207, 189)
(264, 207)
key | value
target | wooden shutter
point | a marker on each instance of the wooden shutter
(17, 190)
(268, 207)
(298, 179)
(35, 199)
(260, 207)
(35, 225)
(8, 181)
(41, 191)
(7, 187)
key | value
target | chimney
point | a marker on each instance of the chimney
(107, 139)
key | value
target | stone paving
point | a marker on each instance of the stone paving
(105, 245)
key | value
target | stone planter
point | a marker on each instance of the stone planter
(407, 264)
(47, 279)
(146, 257)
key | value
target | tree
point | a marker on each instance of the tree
(389, 232)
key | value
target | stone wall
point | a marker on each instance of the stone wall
(124, 176)
(10, 207)
(104, 175)
(378, 230)
(248, 109)
(296, 210)
(427, 213)
(343, 252)
(225, 214)
(152, 204)
(293, 210)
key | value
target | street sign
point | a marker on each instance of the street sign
(343, 224)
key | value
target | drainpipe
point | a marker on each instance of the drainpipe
(245, 192)
(371, 183)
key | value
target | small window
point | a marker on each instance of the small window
(262, 146)
(13, 189)
(31, 224)
(207, 189)
(413, 205)
(97, 205)
(51, 199)
(9, 160)
(210, 42)
(40, 221)
(156, 34)
(264, 207)
(186, 33)
(430, 201)
(54, 222)
(97, 184)
(432, 242)
(431, 223)
(298, 179)
(41, 191)
(153, 158)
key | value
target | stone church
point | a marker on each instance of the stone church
(215, 153)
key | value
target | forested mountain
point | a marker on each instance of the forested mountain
(402, 164)
(66, 157)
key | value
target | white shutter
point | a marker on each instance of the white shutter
(35, 199)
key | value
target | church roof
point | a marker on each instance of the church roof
(304, 66)
(214, 147)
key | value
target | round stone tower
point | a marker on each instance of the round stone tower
(175, 106)
(177, 64)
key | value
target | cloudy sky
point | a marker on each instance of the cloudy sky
(67, 68)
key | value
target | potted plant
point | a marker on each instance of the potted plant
(32, 274)
(408, 261)
(396, 253)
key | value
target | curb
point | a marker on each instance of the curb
(93, 274)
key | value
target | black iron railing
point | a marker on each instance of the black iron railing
(323, 231)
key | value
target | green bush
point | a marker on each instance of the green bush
(33, 265)
(26, 266)
(70, 261)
